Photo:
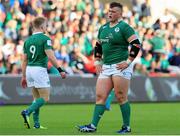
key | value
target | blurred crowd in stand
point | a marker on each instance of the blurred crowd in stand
(73, 27)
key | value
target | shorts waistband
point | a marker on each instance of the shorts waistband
(112, 65)
(109, 65)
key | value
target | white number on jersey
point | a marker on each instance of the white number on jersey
(32, 49)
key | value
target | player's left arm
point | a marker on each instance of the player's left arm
(135, 47)
(132, 39)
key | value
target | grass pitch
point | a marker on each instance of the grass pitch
(146, 119)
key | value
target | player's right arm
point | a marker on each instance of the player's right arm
(98, 54)
(98, 51)
(52, 58)
(23, 66)
(98, 57)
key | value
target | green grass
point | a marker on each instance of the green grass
(147, 119)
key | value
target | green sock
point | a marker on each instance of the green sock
(36, 105)
(36, 117)
(126, 110)
(98, 112)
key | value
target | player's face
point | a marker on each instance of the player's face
(114, 14)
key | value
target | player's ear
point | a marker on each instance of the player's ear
(42, 27)
(121, 12)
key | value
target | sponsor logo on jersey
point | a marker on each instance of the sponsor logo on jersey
(104, 40)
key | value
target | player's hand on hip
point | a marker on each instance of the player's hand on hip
(23, 82)
(121, 66)
(98, 69)
(63, 75)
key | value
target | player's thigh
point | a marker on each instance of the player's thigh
(103, 87)
(121, 86)
(41, 78)
(44, 93)
(35, 93)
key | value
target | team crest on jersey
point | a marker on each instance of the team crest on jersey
(49, 42)
(116, 29)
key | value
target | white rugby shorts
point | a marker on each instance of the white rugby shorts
(111, 70)
(37, 77)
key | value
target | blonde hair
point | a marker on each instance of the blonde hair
(38, 22)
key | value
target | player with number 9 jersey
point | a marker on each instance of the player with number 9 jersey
(35, 51)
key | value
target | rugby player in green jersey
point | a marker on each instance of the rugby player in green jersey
(37, 51)
(114, 65)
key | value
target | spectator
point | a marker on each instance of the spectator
(77, 64)
(74, 23)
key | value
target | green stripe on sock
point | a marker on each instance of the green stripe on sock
(126, 110)
(98, 113)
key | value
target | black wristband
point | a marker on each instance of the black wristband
(60, 69)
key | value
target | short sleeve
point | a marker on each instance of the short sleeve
(48, 44)
(128, 31)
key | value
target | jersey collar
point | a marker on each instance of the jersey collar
(119, 20)
(37, 33)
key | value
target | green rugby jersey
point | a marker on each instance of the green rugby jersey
(35, 47)
(114, 42)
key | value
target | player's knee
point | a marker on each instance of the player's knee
(100, 98)
(121, 98)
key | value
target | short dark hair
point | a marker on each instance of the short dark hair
(116, 4)
(38, 21)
